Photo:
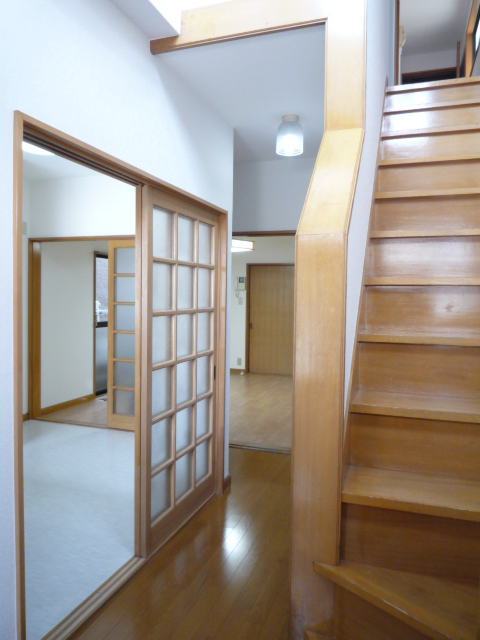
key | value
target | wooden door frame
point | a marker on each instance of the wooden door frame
(35, 409)
(247, 310)
(27, 128)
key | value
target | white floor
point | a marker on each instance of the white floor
(79, 515)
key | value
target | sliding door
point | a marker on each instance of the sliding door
(179, 360)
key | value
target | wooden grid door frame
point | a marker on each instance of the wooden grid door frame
(248, 305)
(181, 453)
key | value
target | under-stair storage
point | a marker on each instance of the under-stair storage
(410, 527)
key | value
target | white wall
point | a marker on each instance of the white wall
(81, 66)
(431, 60)
(86, 206)
(274, 249)
(379, 46)
(67, 320)
(269, 196)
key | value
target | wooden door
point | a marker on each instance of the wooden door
(270, 294)
(123, 302)
(179, 351)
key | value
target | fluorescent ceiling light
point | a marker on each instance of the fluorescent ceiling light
(242, 245)
(290, 136)
(38, 151)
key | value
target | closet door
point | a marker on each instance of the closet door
(179, 315)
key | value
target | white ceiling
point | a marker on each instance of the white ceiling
(252, 82)
(52, 167)
(433, 25)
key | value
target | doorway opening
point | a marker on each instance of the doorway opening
(261, 384)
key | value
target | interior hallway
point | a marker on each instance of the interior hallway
(92, 413)
(261, 411)
(79, 515)
(224, 576)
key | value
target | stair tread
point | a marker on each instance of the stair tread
(413, 492)
(420, 337)
(431, 106)
(430, 131)
(399, 162)
(448, 408)
(419, 281)
(427, 193)
(441, 609)
(434, 84)
(425, 233)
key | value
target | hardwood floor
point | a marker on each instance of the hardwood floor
(90, 414)
(261, 411)
(224, 575)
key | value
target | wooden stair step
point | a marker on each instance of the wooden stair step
(447, 408)
(430, 131)
(431, 106)
(425, 233)
(435, 84)
(401, 162)
(420, 338)
(413, 492)
(427, 193)
(419, 281)
(440, 609)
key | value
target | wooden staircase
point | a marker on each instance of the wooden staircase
(410, 529)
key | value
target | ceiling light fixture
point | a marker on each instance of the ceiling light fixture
(38, 151)
(290, 136)
(242, 245)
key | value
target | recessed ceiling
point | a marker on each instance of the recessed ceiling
(252, 82)
(433, 25)
(52, 167)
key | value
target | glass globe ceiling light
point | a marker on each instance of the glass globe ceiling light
(290, 136)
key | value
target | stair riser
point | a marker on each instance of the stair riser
(425, 257)
(445, 175)
(432, 96)
(420, 446)
(357, 619)
(439, 310)
(414, 543)
(419, 369)
(431, 118)
(452, 144)
(427, 213)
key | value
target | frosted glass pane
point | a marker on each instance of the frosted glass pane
(203, 375)
(161, 339)
(186, 237)
(183, 475)
(204, 332)
(205, 243)
(124, 374)
(124, 345)
(124, 402)
(162, 233)
(202, 462)
(124, 289)
(125, 317)
(204, 288)
(162, 287)
(183, 429)
(125, 260)
(161, 441)
(184, 335)
(203, 417)
(185, 287)
(161, 390)
(160, 493)
(184, 382)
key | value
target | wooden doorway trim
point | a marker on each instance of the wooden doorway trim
(248, 307)
(48, 137)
